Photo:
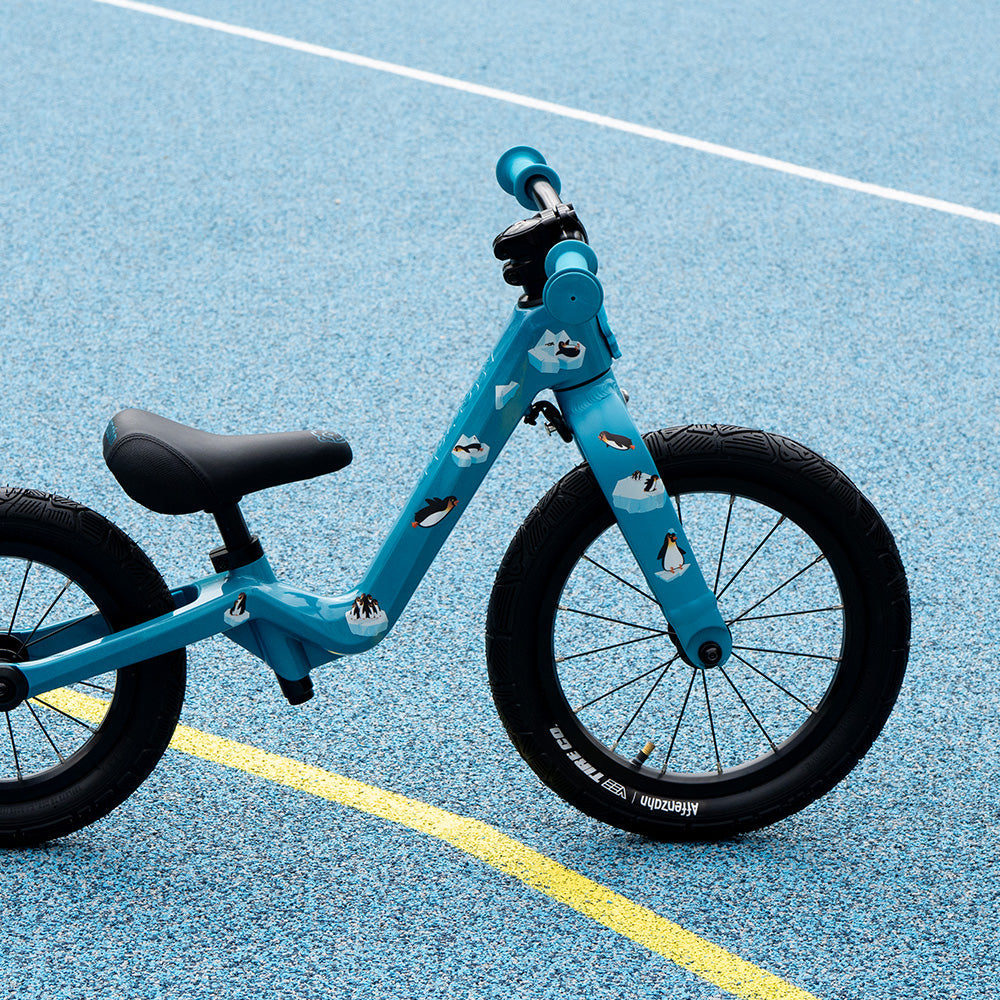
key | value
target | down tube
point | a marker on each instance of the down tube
(498, 400)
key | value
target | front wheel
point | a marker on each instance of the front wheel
(597, 698)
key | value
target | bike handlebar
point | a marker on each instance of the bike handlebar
(520, 171)
(572, 292)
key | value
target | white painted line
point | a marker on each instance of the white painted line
(564, 111)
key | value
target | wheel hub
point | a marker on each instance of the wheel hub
(13, 687)
(709, 653)
(12, 649)
(13, 684)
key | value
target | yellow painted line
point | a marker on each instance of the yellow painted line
(604, 906)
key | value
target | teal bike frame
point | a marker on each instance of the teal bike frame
(565, 345)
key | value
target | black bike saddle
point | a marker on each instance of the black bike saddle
(175, 469)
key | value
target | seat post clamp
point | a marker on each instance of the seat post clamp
(239, 547)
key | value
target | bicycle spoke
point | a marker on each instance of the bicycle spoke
(749, 558)
(96, 687)
(601, 697)
(784, 614)
(13, 747)
(820, 558)
(62, 587)
(648, 597)
(673, 739)
(616, 621)
(788, 652)
(55, 631)
(722, 547)
(20, 593)
(66, 586)
(602, 649)
(746, 705)
(780, 687)
(666, 667)
(711, 721)
(31, 708)
(72, 718)
(779, 586)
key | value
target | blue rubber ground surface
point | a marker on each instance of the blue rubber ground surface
(250, 239)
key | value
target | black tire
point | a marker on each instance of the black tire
(69, 757)
(584, 675)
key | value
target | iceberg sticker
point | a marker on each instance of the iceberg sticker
(556, 352)
(505, 393)
(366, 617)
(469, 451)
(640, 492)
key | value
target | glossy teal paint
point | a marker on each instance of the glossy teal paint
(565, 346)
(612, 445)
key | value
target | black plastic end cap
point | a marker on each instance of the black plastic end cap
(710, 654)
(296, 692)
(13, 687)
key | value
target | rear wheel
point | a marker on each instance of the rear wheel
(601, 704)
(69, 756)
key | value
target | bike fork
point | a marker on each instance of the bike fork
(627, 475)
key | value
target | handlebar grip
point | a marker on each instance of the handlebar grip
(572, 293)
(517, 167)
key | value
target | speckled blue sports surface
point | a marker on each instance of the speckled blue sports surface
(250, 238)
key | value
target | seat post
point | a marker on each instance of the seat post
(239, 547)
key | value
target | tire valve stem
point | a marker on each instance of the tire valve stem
(643, 755)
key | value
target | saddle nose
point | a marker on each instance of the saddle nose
(172, 468)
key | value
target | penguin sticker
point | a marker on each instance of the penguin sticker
(365, 606)
(469, 451)
(639, 493)
(238, 613)
(366, 617)
(617, 441)
(556, 352)
(435, 511)
(671, 555)
(567, 349)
